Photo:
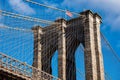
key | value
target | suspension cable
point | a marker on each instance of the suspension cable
(14, 15)
(33, 2)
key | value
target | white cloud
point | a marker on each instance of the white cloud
(48, 10)
(21, 7)
(109, 9)
(2, 25)
(116, 24)
(103, 4)
(0, 17)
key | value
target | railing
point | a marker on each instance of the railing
(23, 69)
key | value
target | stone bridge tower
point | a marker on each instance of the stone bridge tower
(66, 37)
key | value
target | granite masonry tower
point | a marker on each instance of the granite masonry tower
(65, 36)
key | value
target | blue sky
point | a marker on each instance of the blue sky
(108, 9)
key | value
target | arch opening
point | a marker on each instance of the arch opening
(54, 64)
(79, 61)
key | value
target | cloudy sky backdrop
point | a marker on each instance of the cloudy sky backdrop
(109, 10)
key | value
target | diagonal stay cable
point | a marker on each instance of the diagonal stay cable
(111, 48)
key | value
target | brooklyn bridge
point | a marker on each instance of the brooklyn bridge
(27, 53)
